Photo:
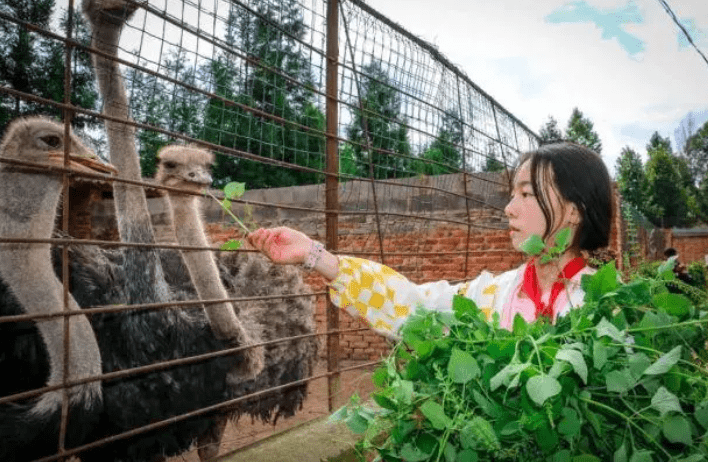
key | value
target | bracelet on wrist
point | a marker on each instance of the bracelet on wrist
(316, 252)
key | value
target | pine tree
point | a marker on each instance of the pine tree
(550, 131)
(34, 64)
(378, 128)
(444, 150)
(279, 83)
(580, 130)
(631, 180)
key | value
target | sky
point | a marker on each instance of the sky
(624, 63)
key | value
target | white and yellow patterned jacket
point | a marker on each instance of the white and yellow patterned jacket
(386, 298)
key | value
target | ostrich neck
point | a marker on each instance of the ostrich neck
(202, 265)
(131, 205)
(28, 207)
(134, 225)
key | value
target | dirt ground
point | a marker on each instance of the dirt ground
(246, 432)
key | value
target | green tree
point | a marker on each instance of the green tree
(580, 130)
(631, 179)
(550, 131)
(442, 155)
(696, 154)
(280, 85)
(171, 106)
(34, 64)
(377, 123)
(668, 202)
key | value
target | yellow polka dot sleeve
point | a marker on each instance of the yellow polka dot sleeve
(384, 297)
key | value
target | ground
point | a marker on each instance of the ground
(246, 432)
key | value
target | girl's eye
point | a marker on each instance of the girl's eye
(526, 194)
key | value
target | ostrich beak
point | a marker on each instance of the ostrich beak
(201, 177)
(81, 163)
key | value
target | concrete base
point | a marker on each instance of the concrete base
(315, 441)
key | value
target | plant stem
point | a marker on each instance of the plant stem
(230, 213)
(628, 420)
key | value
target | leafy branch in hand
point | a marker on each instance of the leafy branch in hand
(232, 191)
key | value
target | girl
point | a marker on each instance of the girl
(557, 186)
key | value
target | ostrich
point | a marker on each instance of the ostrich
(112, 341)
(107, 18)
(187, 168)
(28, 204)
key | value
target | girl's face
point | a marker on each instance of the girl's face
(524, 212)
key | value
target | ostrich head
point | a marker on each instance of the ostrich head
(184, 167)
(41, 141)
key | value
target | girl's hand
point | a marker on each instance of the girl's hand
(282, 245)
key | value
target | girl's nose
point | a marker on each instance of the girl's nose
(508, 208)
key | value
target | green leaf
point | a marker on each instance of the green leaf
(600, 283)
(620, 454)
(435, 413)
(575, 358)
(225, 204)
(677, 429)
(693, 458)
(505, 374)
(234, 190)
(569, 426)
(231, 244)
(664, 401)
(467, 455)
(357, 423)
(489, 407)
(605, 328)
(586, 458)
(674, 304)
(384, 402)
(533, 245)
(463, 307)
(563, 237)
(462, 367)
(403, 390)
(561, 456)
(339, 415)
(641, 456)
(667, 265)
(599, 354)
(542, 387)
(620, 381)
(411, 453)
(701, 415)
(665, 362)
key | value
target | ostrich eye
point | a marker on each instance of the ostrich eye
(170, 164)
(52, 141)
(192, 174)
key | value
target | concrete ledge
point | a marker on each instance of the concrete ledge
(314, 441)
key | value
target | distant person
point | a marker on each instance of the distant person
(679, 268)
(556, 186)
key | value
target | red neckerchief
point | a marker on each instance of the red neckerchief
(533, 290)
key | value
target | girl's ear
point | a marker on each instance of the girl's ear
(574, 216)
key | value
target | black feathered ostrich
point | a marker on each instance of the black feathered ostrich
(130, 339)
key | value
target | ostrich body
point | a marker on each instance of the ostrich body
(188, 168)
(28, 204)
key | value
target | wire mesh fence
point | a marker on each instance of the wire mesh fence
(338, 121)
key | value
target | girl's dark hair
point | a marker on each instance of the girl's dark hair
(579, 176)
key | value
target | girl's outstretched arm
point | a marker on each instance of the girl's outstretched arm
(287, 246)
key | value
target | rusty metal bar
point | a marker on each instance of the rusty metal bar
(167, 364)
(66, 184)
(332, 189)
(205, 410)
(367, 136)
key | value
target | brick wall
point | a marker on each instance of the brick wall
(690, 245)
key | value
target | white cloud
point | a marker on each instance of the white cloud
(536, 69)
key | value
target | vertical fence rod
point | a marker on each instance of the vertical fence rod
(332, 189)
(369, 143)
(66, 183)
(464, 177)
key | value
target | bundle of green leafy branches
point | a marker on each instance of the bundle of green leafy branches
(621, 378)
